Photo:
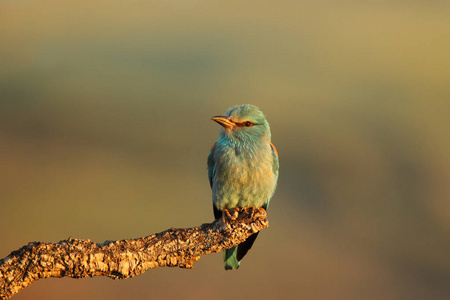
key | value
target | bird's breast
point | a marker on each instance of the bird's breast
(243, 176)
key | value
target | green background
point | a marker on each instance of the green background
(105, 127)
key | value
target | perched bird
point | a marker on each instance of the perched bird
(242, 168)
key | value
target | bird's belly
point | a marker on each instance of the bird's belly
(241, 185)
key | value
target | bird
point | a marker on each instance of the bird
(242, 168)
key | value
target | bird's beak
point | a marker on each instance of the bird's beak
(224, 121)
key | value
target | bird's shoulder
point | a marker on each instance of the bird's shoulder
(274, 149)
(275, 163)
(213, 147)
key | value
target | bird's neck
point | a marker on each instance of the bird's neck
(246, 142)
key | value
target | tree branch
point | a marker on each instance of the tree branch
(78, 258)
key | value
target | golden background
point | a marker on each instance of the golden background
(105, 128)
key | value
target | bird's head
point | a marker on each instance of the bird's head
(245, 123)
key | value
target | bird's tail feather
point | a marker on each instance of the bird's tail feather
(233, 256)
(230, 259)
(245, 246)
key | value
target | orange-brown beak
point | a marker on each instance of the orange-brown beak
(224, 121)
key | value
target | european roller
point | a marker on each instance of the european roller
(242, 168)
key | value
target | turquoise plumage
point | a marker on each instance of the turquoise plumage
(242, 168)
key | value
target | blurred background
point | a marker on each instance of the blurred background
(105, 127)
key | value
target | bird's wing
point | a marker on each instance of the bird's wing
(274, 149)
(211, 165)
(275, 165)
(211, 170)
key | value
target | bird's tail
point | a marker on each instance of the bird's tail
(230, 259)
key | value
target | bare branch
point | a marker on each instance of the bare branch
(79, 258)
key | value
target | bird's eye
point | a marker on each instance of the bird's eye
(248, 124)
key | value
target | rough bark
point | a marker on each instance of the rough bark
(78, 258)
